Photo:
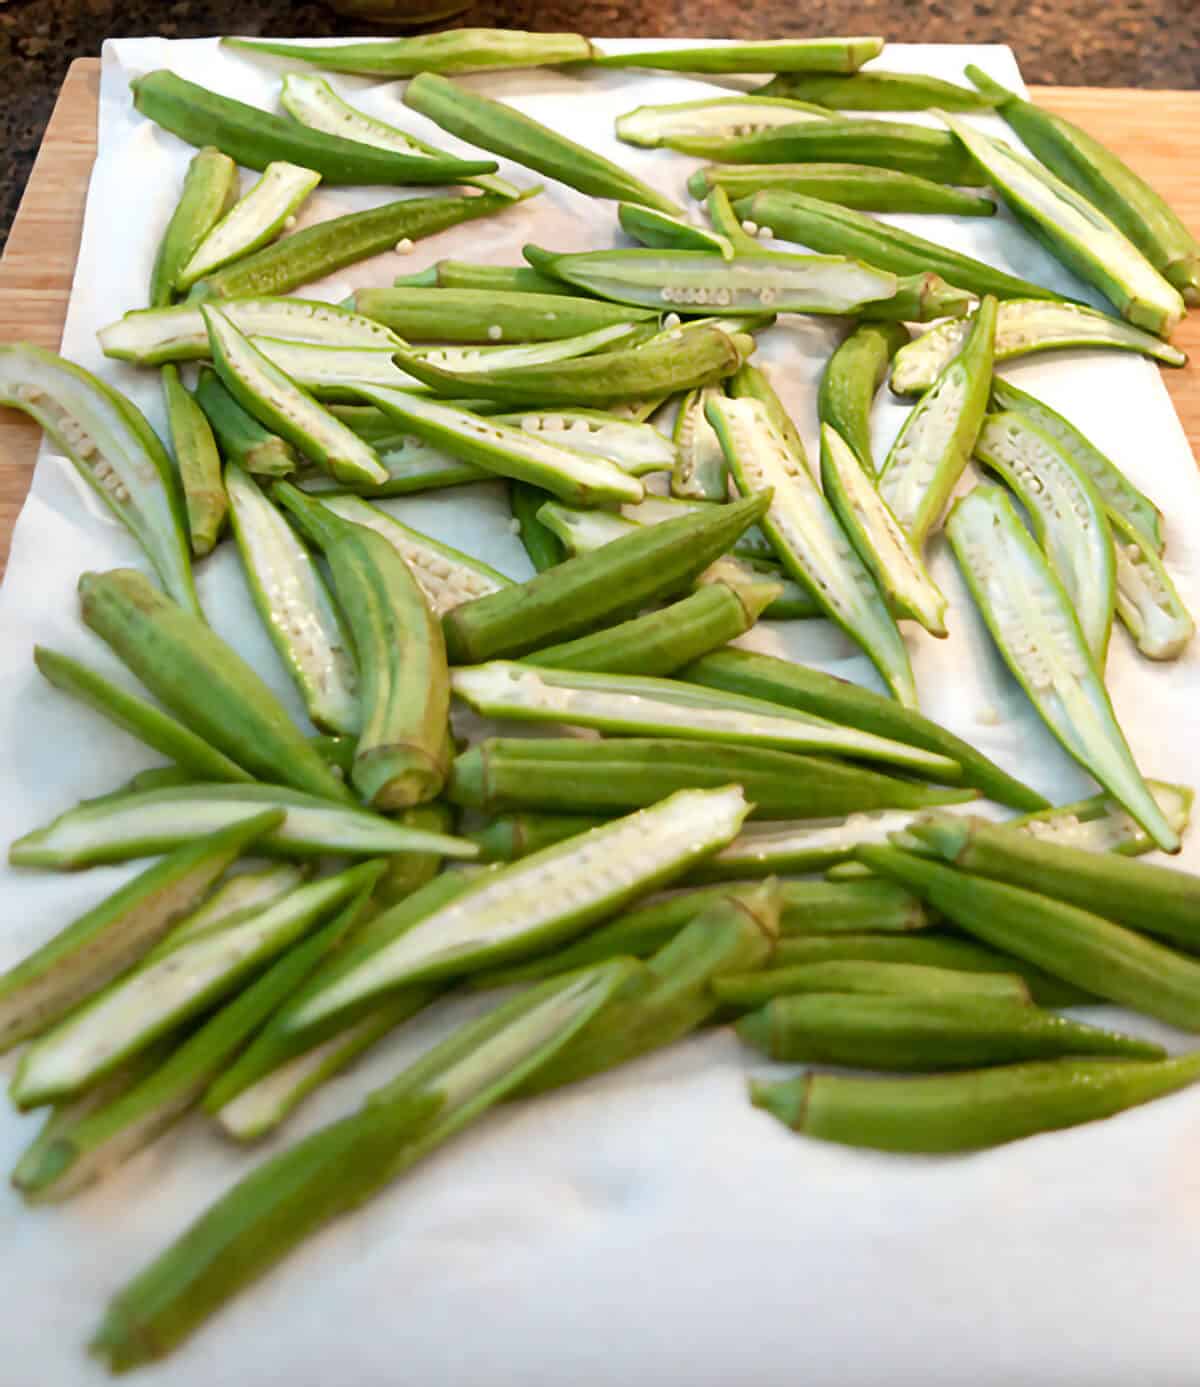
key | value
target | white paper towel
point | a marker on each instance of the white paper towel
(647, 1226)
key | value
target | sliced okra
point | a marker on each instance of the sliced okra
(635, 448)
(210, 188)
(807, 537)
(1067, 514)
(1147, 601)
(701, 470)
(656, 229)
(1031, 620)
(721, 118)
(488, 315)
(1101, 825)
(771, 55)
(629, 330)
(333, 374)
(858, 186)
(920, 298)
(295, 607)
(412, 465)
(236, 899)
(113, 449)
(933, 448)
(877, 90)
(851, 379)
(243, 440)
(198, 463)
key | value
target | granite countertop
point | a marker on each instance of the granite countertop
(1125, 43)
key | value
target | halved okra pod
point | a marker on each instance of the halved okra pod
(814, 691)
(1147, 601)
(242, 439)
(771, 55)
(962, 1112)
(500, 129)
(598, 588)
(869, 978)
(486, 315)
(202, 680)
(933, 447)
(210, 188)
(256, 138)
(701, 469)
(1077, 232)
(1101, 825)
(635, 448)
(851, 380)
(113, 449)
(198, 464)
(457, 50)
(807, 537)
(1038, 634)
(1025, 326)
(719, 117)
(877, 90)
(849, 185)
(102, 943)
(1106, 181)
(404, 692)
(652, 228)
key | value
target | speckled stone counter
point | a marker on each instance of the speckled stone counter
(1124, 43)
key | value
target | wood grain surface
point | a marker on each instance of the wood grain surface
(1156, 132)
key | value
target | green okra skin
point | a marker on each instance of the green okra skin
(701, 470)
(404, 690)
(1067, 515)
(1076, 232)
(1106, 181)
(457, 50)
(726, 221)
(851, 380)
(722, 116)
(1101, 825)
(114, 450)
(964, 1112)
(650, 706)
(655, 229)
(412, 466)
(241, 438)
(500, 129)
(918, 982)
(488, 315)
(256, 138)
(925, 1034)
(329, 246)
(147, 819)
(1025, 327)
(571, 776)
(660, 642)
(543, 546)
(675, 360)
(929, 949)
(878, 537)
(907, 148)
(1104, 958)
(138, 717)
(859, 186)
(751, 383)
(1116, 491)
(235, 899)
(198, 463)
(520, 909)
(210, 188)
(1039, 637)
(203, 681)
(508, 837)
(876, 90)
(1161, 901)
(823, 226)
(921, 299)
(408, 873)
(596, 589)
(278, 402)
(102, 943)
(932, 449)
(503, 279)
(814, 691)
(807, 538)
(1147, 601)
(773, 55)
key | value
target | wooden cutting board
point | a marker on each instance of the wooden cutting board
(1157, 132)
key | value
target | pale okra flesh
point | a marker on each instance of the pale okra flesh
(333, 374)
(721, 117)
(1031, 620)
(1147, 600)
(700, 470)
(636, 448)
(241, 439)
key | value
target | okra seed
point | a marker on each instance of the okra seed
(404, 245)
(672, 320)
(765, 233)
(495, 332)
(289, 222)
(750, 228)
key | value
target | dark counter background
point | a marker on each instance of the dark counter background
(1103, 43)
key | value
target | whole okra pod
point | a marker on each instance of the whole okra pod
(198, 464)
(458, 50)
(859, 186)
(851, 380)
(210, 188)
(771, 55)
(877, 90)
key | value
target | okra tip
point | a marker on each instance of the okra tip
(944, 834)
(785, 1100)
(755, 1029)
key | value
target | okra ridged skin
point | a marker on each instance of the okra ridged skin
(584, 593)
(770, 55)
(860, 186)
(485, 315)
(870, 978)
(241, 438)
(210, 188)
(851, 380)
(198, 463)
(510, 836)
(838, 700)
(570, 776)
(877, 90)
(202, 680)
(543, 546)
(256, 138)
(964, 1112)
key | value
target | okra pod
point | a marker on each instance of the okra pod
(1147, 601)
(203, 681)
(404, 693)
(405, 874)
(412, 465)
(210, 188)
(823, 226)
(197, 462)
(860, 186)
(807, 537)
(540, 543)
(1101, 825)
(114, 450)
(458, 50)
(851, 380)
(814, 691)
(1075, 231)
(486, 315)
(503, 279)
(571, 776)
(242, 439)
(1023, 327)
(333, 374)
(720, 117)
(773, 55)
(256, 138)
(1038, 634)
(1106, 181)
(635, 448)
(932, 450)
(701, 469)
(1067, 515)
(861, 977)
(102, 943)
(596, 589)
(921, 299)
(236, 899)
(501, 129)
(876, 90)
(655, 229)
(963, 1112)
(510, 836)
